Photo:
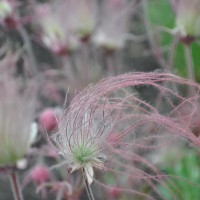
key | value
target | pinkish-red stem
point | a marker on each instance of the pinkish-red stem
(15, 186)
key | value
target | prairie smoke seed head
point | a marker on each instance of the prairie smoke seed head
(81, 140)
(107, 122)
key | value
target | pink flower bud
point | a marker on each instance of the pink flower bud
(48, 119)
(39, 174)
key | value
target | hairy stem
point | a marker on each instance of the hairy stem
(15, 186)
(87, 186)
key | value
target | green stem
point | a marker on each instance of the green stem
(152, 37)
(190, 66)
(170, 64)
(172, 53)
(87, 186)
(15, 186)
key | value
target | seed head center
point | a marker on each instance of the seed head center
(83, 153)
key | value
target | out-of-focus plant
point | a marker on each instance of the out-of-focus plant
(55, 34)
(178, 33)
(82, 16)
(113, 29)
(112, 32)
(8, 16)
(15, 121)
(39, 174)
(13, 19)
(188, 18)
(17, 130)
(188, 28)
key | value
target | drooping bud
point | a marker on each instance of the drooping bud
(7, 16)
(56, 35)
(47, 119)
(82, 15)
(188, 18)
(5, 9)
(114, 25)
(17, 108)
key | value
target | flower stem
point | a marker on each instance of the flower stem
(169, 67)
(152, 36)
(87, 186)
(15, 186)
(172, 53)
(86, 62)
(29, 49)
(190, 66)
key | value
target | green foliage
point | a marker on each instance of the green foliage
(187, 188)
(162, 14)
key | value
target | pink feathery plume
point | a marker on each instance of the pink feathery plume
(109, 127)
